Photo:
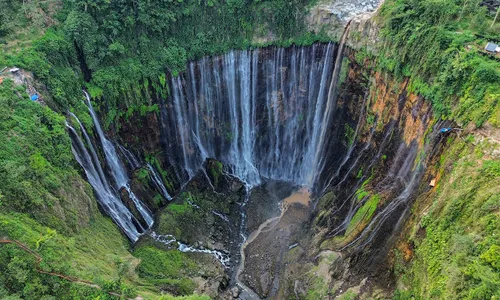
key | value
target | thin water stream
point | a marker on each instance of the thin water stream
(302, 197)
(168, 239)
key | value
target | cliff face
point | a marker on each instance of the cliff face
(331, 17)
(373, 187)
(399, 224)
(449, 239)
(394, 196)
(382, 162)
(381, 139)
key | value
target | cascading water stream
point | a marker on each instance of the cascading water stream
(168, 239)
(264, 113)
(131, 158)
(117, 171)
(319, 158)
(135, 163)
(158, 182)
(258, 111)
(143, 210)
(107, 197)
(112, 159)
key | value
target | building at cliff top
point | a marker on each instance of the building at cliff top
(492, 47)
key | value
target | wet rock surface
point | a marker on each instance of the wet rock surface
(264, 203)
(333, 15)
(387, 126)
(207, 213)
(266, 248)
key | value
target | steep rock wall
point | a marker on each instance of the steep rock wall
(331, 16)
(382, 138)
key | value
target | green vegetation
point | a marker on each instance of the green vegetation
(318, 289)
(349, 134)
(193, 297)
(439, 45)
(143, 175)
(121, 52)
(323, 208)
(363, 215)
(349, 295)
(98, 253)
(46, 205)
(179, 209)
(168, 270)
(360, 173)
(165, 176)
(459, 255)
(123, 49)
(35, 159)
(370, 119)
(343, 71)
(362, 192)
(191, 220)
(319, 285)
(368, 201)
(190, 216)
(216, 169)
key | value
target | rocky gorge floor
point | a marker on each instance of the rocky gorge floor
(266, 249)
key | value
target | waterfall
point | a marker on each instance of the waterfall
(112, 159)
(158, 183)
(135, 163)
(319, 158)
(117, 171)
(107, 193)
(132, 160)
(107, 197)
(261, 112)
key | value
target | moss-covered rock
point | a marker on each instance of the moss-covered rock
(454, 230)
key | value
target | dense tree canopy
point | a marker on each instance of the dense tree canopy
(439, 45)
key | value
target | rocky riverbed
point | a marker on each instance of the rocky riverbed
(265, 251)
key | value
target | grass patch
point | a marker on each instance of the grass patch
(363, 215)
(168, 270)
(98, 253)
(459, 256)
(318, 289)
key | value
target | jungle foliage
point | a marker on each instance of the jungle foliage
(89, 250)
(119, 47)
(116, 49)
(35, 153)
(439, 45)
(456, 245)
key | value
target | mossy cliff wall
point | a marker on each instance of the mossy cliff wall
(385, 144)
(409, 208)
(383, 138)
(375, 191)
